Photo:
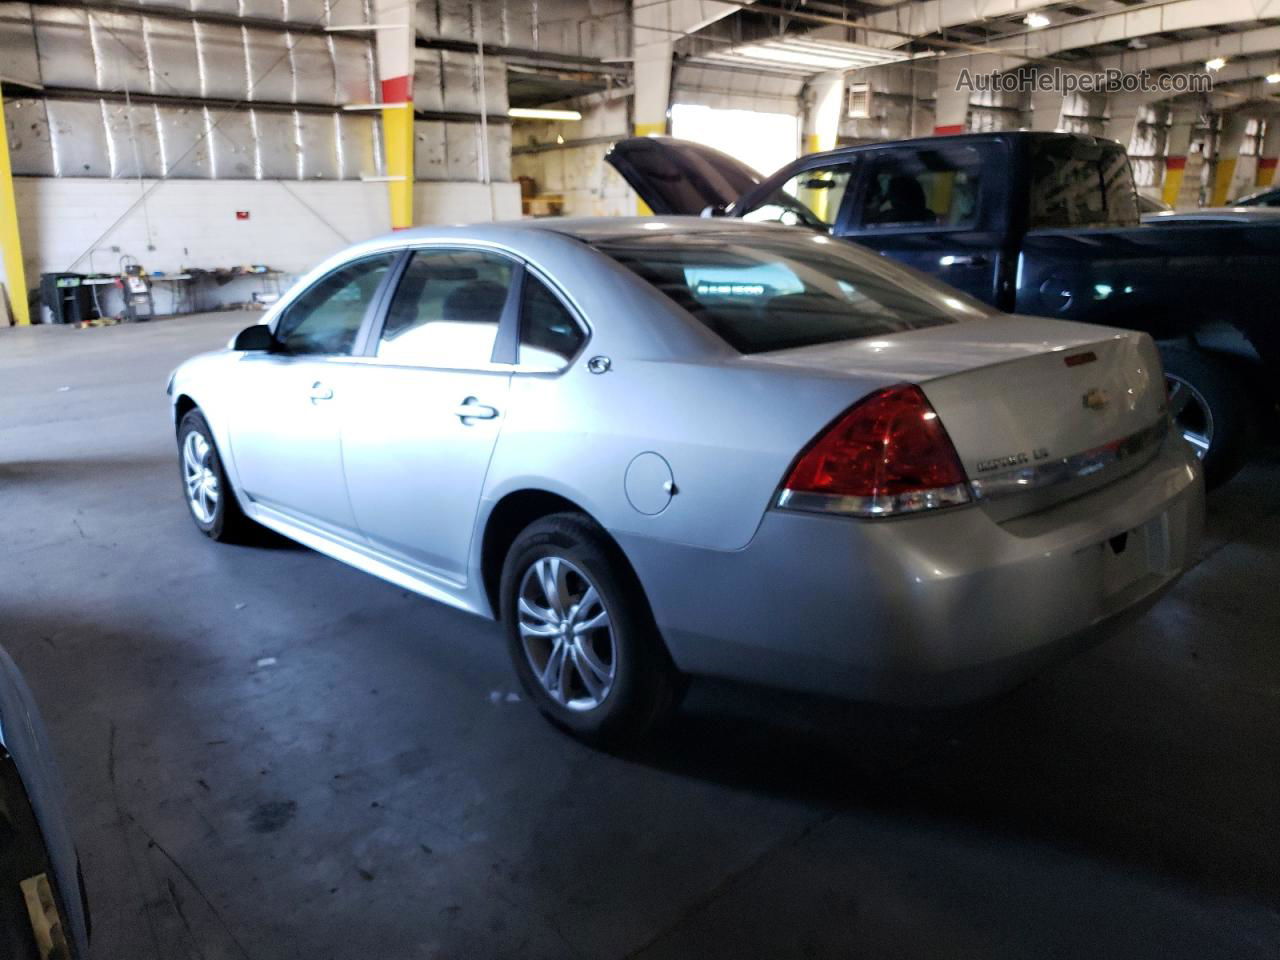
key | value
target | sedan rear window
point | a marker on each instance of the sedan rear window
(764, 291)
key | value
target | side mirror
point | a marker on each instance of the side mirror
(257, 337)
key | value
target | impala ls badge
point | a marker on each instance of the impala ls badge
(1096, 399)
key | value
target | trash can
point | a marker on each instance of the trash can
(68, 299)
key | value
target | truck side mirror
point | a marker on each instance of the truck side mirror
(257, 337)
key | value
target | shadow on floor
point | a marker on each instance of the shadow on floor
(1038, 765)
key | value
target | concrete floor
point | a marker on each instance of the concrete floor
(273, 756)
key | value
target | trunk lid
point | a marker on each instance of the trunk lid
(678, 177)
(1039, 410)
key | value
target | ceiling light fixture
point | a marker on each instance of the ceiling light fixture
(804, 55)
(1216, 64)
(1273, 78)
(1036, 20)
(537, 113)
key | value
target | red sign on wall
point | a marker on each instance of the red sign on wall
(242, 214)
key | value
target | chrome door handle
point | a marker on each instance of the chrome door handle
(321, 391)
(473, 409)
(965, 260)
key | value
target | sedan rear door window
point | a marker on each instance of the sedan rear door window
(446, 309)
(549, 335)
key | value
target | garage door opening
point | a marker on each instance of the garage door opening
(763, 141)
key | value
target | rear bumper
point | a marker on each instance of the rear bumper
(928, 609)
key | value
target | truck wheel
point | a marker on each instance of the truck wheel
(1211, 410)
(582, 638)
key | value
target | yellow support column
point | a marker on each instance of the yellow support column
(397, 132)
(10, 240)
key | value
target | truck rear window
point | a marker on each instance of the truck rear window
(760, 290)
(1078, 182)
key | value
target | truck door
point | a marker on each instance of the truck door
(938, 207)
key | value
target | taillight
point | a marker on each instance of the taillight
(889, 454)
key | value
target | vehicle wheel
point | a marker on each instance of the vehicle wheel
(1211, 410)
(210, 499)
(581, 635)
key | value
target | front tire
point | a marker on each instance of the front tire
(210, 499)
(1211, 409)
(581, 636)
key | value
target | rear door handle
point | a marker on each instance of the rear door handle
(964, 260)
(473, 409)
(321, 391)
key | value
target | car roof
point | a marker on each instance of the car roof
(586, 229)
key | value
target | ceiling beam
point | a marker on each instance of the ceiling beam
(1122, 25)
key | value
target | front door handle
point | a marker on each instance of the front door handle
(321, 391)
(964, 260)
(473, 409)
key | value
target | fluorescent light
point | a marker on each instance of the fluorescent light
(1216, 64)
(537, 113)
(1273, 78)
(803, 55)
(1036, 20)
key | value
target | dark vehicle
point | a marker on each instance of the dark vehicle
(1263, 198)
(43, 913)
(1036, 223)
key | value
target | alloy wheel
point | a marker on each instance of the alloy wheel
(566, 633)
(1190, 414)
(200, 478)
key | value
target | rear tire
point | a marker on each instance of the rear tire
(211, 500)
(1211, 408)
(581, 636)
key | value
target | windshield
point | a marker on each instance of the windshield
(766, 291)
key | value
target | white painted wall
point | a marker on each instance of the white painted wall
(67, 223)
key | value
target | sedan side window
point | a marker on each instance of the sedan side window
(326, 318)
(446, 310)
(549, 335)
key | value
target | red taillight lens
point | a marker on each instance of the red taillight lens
(888, 454)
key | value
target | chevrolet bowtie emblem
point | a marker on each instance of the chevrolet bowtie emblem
(1096, 399)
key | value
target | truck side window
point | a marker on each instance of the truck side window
(926, 188)
(1077, 184)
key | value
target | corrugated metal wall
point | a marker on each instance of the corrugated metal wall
(251, 88)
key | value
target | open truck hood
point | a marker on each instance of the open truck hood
(679, 177)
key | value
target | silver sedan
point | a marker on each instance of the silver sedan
(662, 447)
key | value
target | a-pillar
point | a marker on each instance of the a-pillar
(1270, 151)
(1228, 153)
(1177, 145)
(395, 41)
(822, 113)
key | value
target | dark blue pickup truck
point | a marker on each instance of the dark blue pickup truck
(1037, 223)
